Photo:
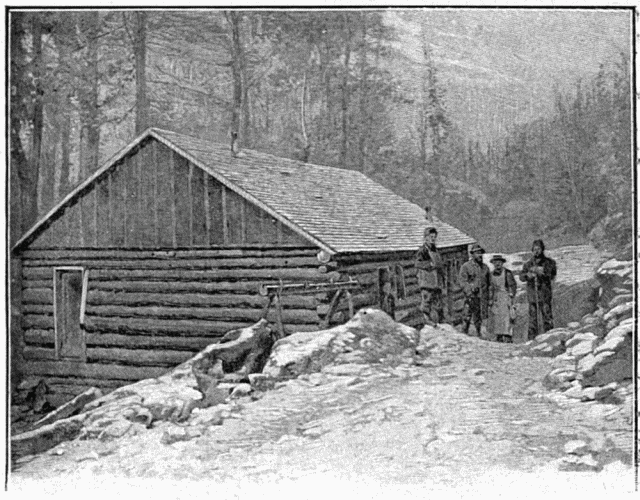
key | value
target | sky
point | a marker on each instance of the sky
(499, 66)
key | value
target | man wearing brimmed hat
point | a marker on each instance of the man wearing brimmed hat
(538, 273)
(474, 280)
(430, 273)
(501, 294)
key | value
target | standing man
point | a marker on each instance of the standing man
(501, 294)
(538, 273)
(430, 278)
(475, 281)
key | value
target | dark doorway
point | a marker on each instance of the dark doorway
(69, 298)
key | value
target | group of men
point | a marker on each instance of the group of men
(488, 293)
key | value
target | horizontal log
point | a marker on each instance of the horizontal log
(290, 274)
(374, 266)
(139, 357)
(185, 328)
(173, 287)
(39, 284)
(168, 254)
(38, 309)
(150, 342)
(77, 385)
(211, 313)
(37, 321)
(357, 258)
(39, 353)
(97, 297)
(37, 296)
(240, 263)
(133, 357)
(39, 337)
(109, 371)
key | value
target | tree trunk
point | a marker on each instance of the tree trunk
(90, 131)
(345, 93)
(234, 18)
(19, 164)
(140, 54)
(364, 99)
(30, 201)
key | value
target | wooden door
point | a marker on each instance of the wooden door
(69, 289)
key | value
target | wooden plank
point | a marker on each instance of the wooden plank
(73, 216)
(235, 210)
(117, 196)
(34, 336)
(153, 171)
(216, 212)
(174, 210)
(199, 233)
(253, 226)
(95, 217)
(295, 316)
(147, 201)
(225, 217)
(190, 200)
(87, 208)
(183, 202)
(207, 208)
(165, 197)
(268, 228)
(76, 254)
(111, 371)
(132, 214)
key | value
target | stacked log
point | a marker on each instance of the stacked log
(146, 310)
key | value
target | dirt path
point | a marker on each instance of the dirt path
(474, 415)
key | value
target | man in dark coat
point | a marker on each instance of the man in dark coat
(430, 278)
(538, 273)
(474, 278)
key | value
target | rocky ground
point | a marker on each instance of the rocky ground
(465, 415)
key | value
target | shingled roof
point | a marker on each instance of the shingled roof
(341, 209)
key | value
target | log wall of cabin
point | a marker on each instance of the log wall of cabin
(365, 269)
(155, 198)
(148, 311)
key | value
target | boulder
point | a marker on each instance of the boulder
(559, 378)
(370, 331)
(615, 277)
(576, 447)
(583, 347)
(620, 312)
(620, 299)
(575, 463)
(175, 434)
(548, 349)
(239, 352)
(579, 338)
(607, 366)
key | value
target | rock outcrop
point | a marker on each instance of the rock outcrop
(370, 336)
(593, 357)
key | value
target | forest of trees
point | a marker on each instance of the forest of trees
(318, 86)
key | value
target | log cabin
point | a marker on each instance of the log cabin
(166, 246)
